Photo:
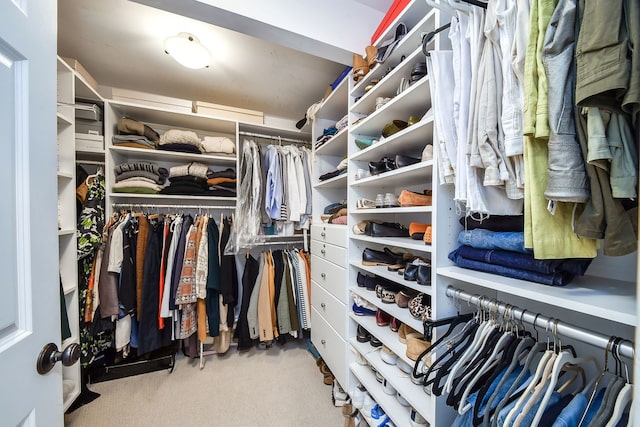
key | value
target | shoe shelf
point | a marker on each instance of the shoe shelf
(400, 381)
(419, 172)
(413, 101)
(381, 271)
(400, 242)
(172, 156)
(387, 87)
(336, 146)
(393, 409)
(392, 309)
(384, 334)
(339, 181)
(410, 141)
(400, 210)
(609, 299)
(334, 107)
(404, 48)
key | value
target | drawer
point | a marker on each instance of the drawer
(329, 276)
(332, 253)
(330, 345)
(330, 233)
(333, 310)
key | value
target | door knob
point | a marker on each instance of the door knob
(49, 355)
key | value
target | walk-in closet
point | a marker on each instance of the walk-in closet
(369, 213)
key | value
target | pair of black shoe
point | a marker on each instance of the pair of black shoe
(364, 336)
(392, 260)
(418, 273)
(386, 164)
(374, 283)
(386, 229)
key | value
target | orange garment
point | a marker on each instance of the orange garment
(307, 263)
(141, 249)
(88, 312)
(265, 325)
(216, 181)
(202, 320)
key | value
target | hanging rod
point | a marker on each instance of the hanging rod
(568, 330)
(90, 162)
(274, 137)
(278, 242)
(153, 205)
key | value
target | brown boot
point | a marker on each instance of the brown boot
(360, 67)
(371, 52)
(349, 413)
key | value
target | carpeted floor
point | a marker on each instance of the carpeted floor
(274, 387)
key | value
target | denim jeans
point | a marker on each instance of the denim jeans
(571, 415)
(554, 279)
(525, 261)
(485, 239)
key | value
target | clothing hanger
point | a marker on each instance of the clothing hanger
(605, 411)
(598, 379)
(624, 397)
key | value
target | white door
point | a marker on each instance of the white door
(29, 284)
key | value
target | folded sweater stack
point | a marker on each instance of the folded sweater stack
(217, 145)
(139, 177)
(132, 133)
(192, 179)
(184, 141)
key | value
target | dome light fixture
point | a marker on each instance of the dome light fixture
(186, 49)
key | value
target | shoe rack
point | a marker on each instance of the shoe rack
(367, 97)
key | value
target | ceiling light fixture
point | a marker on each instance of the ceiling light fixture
(186, 49)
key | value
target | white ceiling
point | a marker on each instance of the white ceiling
(120, 43)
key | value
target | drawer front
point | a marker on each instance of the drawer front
(333, 234)
(329, 276)
(332, 253)
(333, 311)
(330, 345)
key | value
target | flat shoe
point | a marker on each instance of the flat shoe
(402, 161)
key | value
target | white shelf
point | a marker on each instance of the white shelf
(168, 118)
(410, 140)
(400, 242)
(608, 299)
(335, 106)
(414, 101)
(159, 198)
(339, 181)
(401, 381)
(399, 414)
(65, 175)
(393, 276)
(173, 156)
(66, 232)
(400, 210)
(408, 175)
(405, 46)
(336, 146)
(401, 314)
(64, 120)
(384, 334)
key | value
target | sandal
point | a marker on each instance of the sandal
(360, 67)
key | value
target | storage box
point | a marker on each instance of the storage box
(91, 127)
(148, 99)
(88, 111)
(89, 143)
(76, 65)
(226, 112)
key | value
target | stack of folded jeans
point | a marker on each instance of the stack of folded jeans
(503, 253)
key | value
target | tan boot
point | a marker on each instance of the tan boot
(349, 413)
(371, 52)
(360, 67)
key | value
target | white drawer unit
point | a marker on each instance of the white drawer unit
(330, 344)
(329, 233)
(331, 253)
(329, 276)
(330, 307)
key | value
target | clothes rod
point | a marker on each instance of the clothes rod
(153, 205)
(276, 138)
(89, 162)
(568, 330)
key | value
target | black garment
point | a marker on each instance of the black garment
(65, 329)
(248, 282)
(495, 223)
(181, 148)
(178, 260)
(127, 290)
(186, 188)
(227, 173)
(278, 268)
(212, 301)
(151, 338)
(228, 274)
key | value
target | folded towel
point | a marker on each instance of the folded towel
(180, 136)
(218, 144)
